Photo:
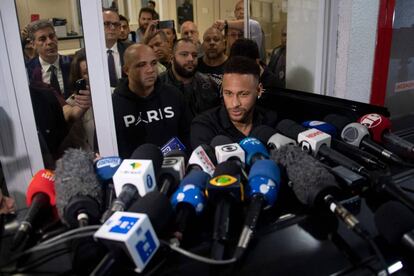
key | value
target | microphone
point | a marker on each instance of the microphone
(254, 150)
(314, 186)
(318, 143)
(345, 148)
(189, 199)
(78, 192)
(172, 171)
(135, 177)
(358, 135)
(105, 169)
(202, 158)
(223, 190)
(380, 128)
(134, 233)
(40, 195)
(395, 222)
(271, 138)
(173, 144)
(227, 150)
(263, 188)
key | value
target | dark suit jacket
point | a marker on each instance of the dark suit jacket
(34, 70)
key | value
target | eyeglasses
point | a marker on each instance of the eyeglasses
(115, 25)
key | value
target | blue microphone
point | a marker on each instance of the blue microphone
(189, 199)
(254, 149)
(322, 126)
(262, 189)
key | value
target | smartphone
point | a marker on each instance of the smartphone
(166, 24)
(80, 84)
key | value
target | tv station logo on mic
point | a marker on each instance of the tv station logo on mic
(223, 180)
(229, 148)
(48, 175)
(370, 120)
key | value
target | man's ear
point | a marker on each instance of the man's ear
(125, 69)
(260, 90)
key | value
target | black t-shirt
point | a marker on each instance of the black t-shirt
(215, 72)
(216, 121)
(154, 119)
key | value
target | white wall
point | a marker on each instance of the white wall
(357, 33)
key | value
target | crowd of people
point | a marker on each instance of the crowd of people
(163, 86)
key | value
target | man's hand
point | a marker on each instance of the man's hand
(151, 29)
(7, 204)
(219, 24)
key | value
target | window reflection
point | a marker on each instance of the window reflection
(58, 78)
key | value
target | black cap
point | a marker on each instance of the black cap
(220, 140)
(290, 128)
(149, 152)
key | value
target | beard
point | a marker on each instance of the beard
(180, 70)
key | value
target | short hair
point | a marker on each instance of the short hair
(242, 65)
(152, 2)
(123, 18)
(158, 32)
(147, 10)
(111, 10)
(245, 47)
(184, 39)
(34, 26)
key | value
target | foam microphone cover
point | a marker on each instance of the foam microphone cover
(157, 207)
(393, 221)
(149, 152)
(228, 167)
(310, 180)
(75, 177)
(220, 140)
(263, 133)
(290, 128)
(43, 182)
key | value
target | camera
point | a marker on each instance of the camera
(80, 84)
(166, 24)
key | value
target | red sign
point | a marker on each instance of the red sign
(34, 17)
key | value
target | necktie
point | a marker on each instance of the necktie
(111, 66)
(53, 78)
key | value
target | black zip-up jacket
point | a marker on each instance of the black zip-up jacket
(201, 94)
(154, 119)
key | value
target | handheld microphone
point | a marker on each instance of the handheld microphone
(105, 169)
(318, 143)
(173, 144)
(172, 171)
(134, 233)
(348, 149)
(224, 190)
(271, 137)
(262, 189)
(380, 128)
(189, 199)
(254, 150)
(227, 150)
(202, 158)
(313, 185)
(135, 177)
(78, 191)
(40, 195)
(395, 223)
(358, 135)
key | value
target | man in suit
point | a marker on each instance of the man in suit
(48, 67)
(115, 49)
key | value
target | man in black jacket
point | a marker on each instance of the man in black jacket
(239, 115)
(199, 90)
(146, 110)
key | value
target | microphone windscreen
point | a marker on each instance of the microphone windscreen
(220, 140)
(227, 167)
(263, 133)
(393, 220)
(157, 207)
(310, 180)
(337, 121)
(196, 178)
(290, 128)
(75, 176)
(149, 152)
(43, 182)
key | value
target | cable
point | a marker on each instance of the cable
(44, 259)
(49, 245)
(198, 257)
(365, 235)
(70, 232)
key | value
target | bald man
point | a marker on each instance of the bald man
(146, 110)
(190, 30)
(214, 48)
